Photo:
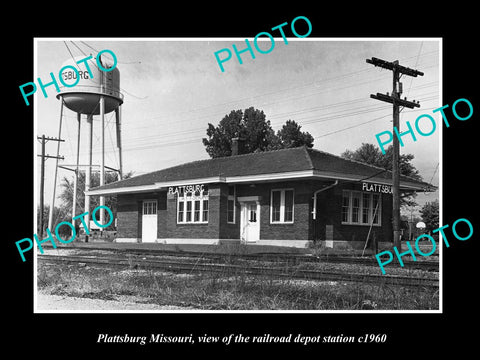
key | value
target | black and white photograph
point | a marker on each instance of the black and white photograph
(291, 184)
(260, 188)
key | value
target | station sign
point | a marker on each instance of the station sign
(386, 189)
(186, 189)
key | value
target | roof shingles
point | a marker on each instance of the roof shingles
(260, 163)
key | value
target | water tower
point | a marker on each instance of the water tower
(93, 89)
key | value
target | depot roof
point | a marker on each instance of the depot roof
(268, 166)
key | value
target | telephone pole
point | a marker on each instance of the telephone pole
(395, 99)
(44, 156)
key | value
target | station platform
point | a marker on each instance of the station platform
(222, 248)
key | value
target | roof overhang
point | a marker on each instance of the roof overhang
(293, 175)
(154, 187)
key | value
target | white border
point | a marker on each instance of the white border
(338, 39)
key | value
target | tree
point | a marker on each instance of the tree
(60, 214)
(408, 223)
(66, 194)
(430, 216)
(252, 125)
(371, 154)
(291, 136)
(367, 153)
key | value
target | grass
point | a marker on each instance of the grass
(229, 291)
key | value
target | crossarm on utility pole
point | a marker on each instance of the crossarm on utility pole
(395, 99)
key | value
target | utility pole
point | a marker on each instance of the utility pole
(395, 99)
(44, 156)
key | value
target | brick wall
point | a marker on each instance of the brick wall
(298, 230)
(194, 231)
(127, 216)
(162, 215)
(328, 225)
(129, 213)
(329, 212)
(227, 230)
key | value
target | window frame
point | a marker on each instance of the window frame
(205, 213)
(361, 208)
(282, 206)
(182, 212)
(190, 212)
(147, 204)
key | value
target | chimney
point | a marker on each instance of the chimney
(238, 146)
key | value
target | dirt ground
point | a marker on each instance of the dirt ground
(47, 303)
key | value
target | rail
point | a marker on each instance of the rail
(243, 269)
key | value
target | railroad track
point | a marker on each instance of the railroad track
(291, 259)
(234, 269)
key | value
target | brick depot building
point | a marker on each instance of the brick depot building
(290, 197)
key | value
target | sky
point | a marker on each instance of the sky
(173, 87)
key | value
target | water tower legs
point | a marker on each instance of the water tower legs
(118, 114)
(102, 160)
(52, 202)
(75, 182)
(88, 172)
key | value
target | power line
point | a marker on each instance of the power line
(326, 117)
(288, 98)
(79, 48)
(71, 55)
(436, 168)
(142, 145)
(353, 126)
(340, 114)
(308, 119)
(84, 43)
(291, 113)
(119, 62)
(416, 63)
(154, 137)
(314, 83)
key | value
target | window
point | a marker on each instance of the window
(196, 214)
(231, 205)
(289, 206)
(150, 207)
(181, 207)
(281, 206)
(189, 211)
(276, 196)
(365, 208)
(359, 208)
(376, 208)
(252, 213)
(205, 211)
(355, 207)
(345, 207)
(192, 207)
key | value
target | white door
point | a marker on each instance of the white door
(149, 221)
(250, 222)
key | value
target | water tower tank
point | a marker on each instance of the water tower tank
(84, 97)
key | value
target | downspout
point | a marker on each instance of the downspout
(314, 212)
